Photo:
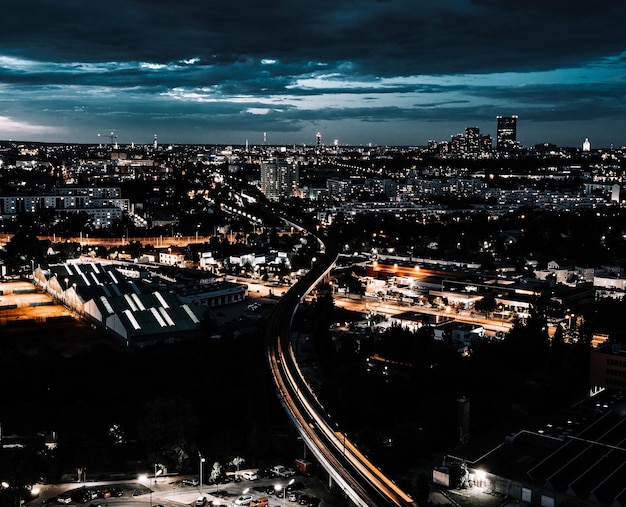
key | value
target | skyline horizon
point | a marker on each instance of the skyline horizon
(124, 145)
(121, 143)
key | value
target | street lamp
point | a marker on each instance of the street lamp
(146, 478)
(201, 461)
(277, 488)
(154, 479)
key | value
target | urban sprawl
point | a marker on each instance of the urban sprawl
(475, 238)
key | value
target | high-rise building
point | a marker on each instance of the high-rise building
(506, 138)
(472, 140)
(586, 144)
(457, 143)
(279, 178)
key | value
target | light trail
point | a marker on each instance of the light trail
(368, 485)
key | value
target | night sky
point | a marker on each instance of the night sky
(385, 72)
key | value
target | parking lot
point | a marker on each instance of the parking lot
(172, 492)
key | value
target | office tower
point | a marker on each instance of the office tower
(506, 137)
(279, 179)
(586, 145)
(472, 140)
(457, 144)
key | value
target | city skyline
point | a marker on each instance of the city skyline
(378, 72)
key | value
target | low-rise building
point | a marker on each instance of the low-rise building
(136, 311)
(607, 367)
(576, 459)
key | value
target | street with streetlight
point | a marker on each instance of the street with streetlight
(279, 487)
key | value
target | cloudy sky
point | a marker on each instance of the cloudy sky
(385, 72)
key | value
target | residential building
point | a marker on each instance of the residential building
(102, 204)
(279, 179)
(608, 367)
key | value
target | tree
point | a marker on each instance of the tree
(486, 304)
(528, 342)
(422, 489)
(168, 430)
(25, 246)
(236, 462)
(557, 349)
(323, 309)
(216, 473)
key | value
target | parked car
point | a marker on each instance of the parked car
(191, 482)
(117, 492)
(249, 476)
(303, 500)
(243, 500)
(293, 497)
(201, 501)
(282, 471)
(64, 498)
(84, 495)
(260, 502)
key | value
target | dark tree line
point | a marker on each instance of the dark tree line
(163, 404)
(404, 408)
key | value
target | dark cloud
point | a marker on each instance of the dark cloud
(397, 37)
(194, 68)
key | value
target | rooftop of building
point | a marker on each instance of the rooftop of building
(581, 452)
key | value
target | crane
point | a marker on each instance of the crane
(112, 136)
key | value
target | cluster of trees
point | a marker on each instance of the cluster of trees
(114, 410)
(406, 411)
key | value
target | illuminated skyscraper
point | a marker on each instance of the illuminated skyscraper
(507, 133)
(472, 140)
(279, 178)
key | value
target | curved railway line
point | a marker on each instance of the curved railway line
(360, 479)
